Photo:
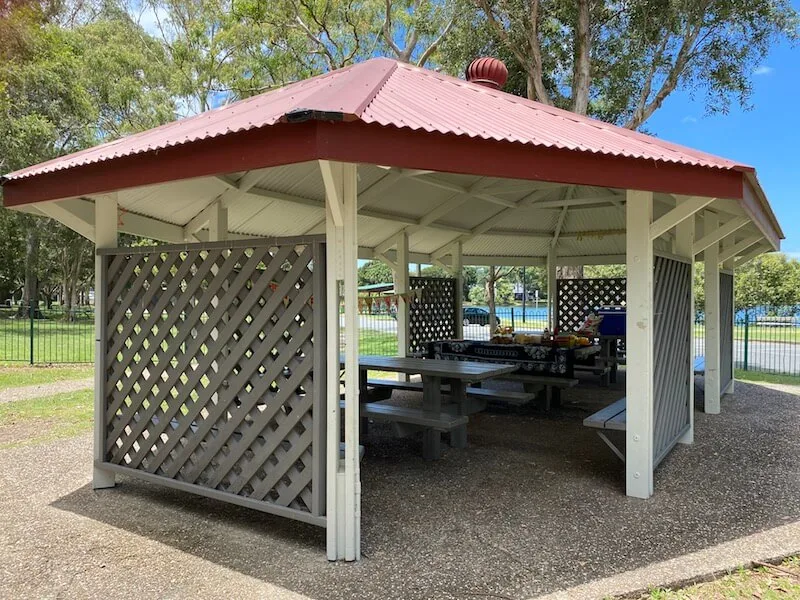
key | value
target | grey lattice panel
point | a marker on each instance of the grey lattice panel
(672, 352)
(725, 329)
(433, 315)
(576, 298)
(209, 369)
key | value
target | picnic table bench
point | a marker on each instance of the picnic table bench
(432, 371)
(612, 418)
(509, 397)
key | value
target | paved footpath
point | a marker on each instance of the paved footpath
(44, 389)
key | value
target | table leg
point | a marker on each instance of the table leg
(432, 402)
(606, 377)
(458, 393)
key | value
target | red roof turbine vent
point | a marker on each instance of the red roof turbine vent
(487, 71)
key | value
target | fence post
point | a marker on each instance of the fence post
(746, 336)
(512, 318)
(31, 314)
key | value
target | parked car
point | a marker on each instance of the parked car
(477, 316)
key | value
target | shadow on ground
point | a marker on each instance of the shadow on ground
(535, 504)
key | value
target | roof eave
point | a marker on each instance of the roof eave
(355, 141)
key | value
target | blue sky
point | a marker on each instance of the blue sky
(766, 137)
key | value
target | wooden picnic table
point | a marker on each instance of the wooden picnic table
(458, 373)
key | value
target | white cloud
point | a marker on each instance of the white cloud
(689, 119)
(763, 70)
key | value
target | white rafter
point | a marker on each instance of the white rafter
(682, 211)
(729, 228)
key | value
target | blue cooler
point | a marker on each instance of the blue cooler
(613, 322)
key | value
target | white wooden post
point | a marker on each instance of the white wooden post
(729, 265)
(105, 236)
(712, 342)
(343, 511)
(456, 268)
(684, 242)
(401, 287)
(551, 288)
(639, 344)
(218, 223)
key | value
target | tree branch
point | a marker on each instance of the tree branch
(435, 43)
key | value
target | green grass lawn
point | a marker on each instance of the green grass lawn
(377, 343)
(743, 375)
(18, 375)
(780, 582)
(43, 419)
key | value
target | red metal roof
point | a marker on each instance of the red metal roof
(390, 113)
(398, 95)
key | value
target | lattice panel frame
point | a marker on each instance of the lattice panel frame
(672, 353)
(576, 298)
(432, 316)
(725, 329)
(214, 376)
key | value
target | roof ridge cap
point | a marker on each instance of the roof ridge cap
(376, 89)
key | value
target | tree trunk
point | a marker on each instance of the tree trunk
(569, 272)
(491, 282)
(30, 291)
(582, 68)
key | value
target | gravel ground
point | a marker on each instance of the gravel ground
(44, 389)
(536, 504)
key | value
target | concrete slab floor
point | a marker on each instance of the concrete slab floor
(534, 506)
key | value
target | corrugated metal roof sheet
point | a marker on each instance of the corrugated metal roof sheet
(395, 94)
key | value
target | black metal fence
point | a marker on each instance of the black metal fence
(39, 335)
(766, 339)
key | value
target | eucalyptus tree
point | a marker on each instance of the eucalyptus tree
(619, 60)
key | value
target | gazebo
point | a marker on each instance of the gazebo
(218, 353)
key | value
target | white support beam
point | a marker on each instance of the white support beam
(489, 223)
(552, 300)
(683, 210)
(218, 223)
(333, 192)
(639, 342)
(712, 308)
(598, 259)
(344, 486)
(76, 214)
(506, 261)
(562, 218)
(683, 247)
(572, 202)
(456, 268)
(732, 251)
(79, 215)
(712, 237)
(401, 286)
(105, 236)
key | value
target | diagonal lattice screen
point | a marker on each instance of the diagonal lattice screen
(432, 316)
(576, 298)
(209, 369)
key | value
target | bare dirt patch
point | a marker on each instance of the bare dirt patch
(20, 432)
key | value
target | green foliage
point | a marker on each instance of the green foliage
(604, 271)
(374, 271)
(639, 53)
(769, 280)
